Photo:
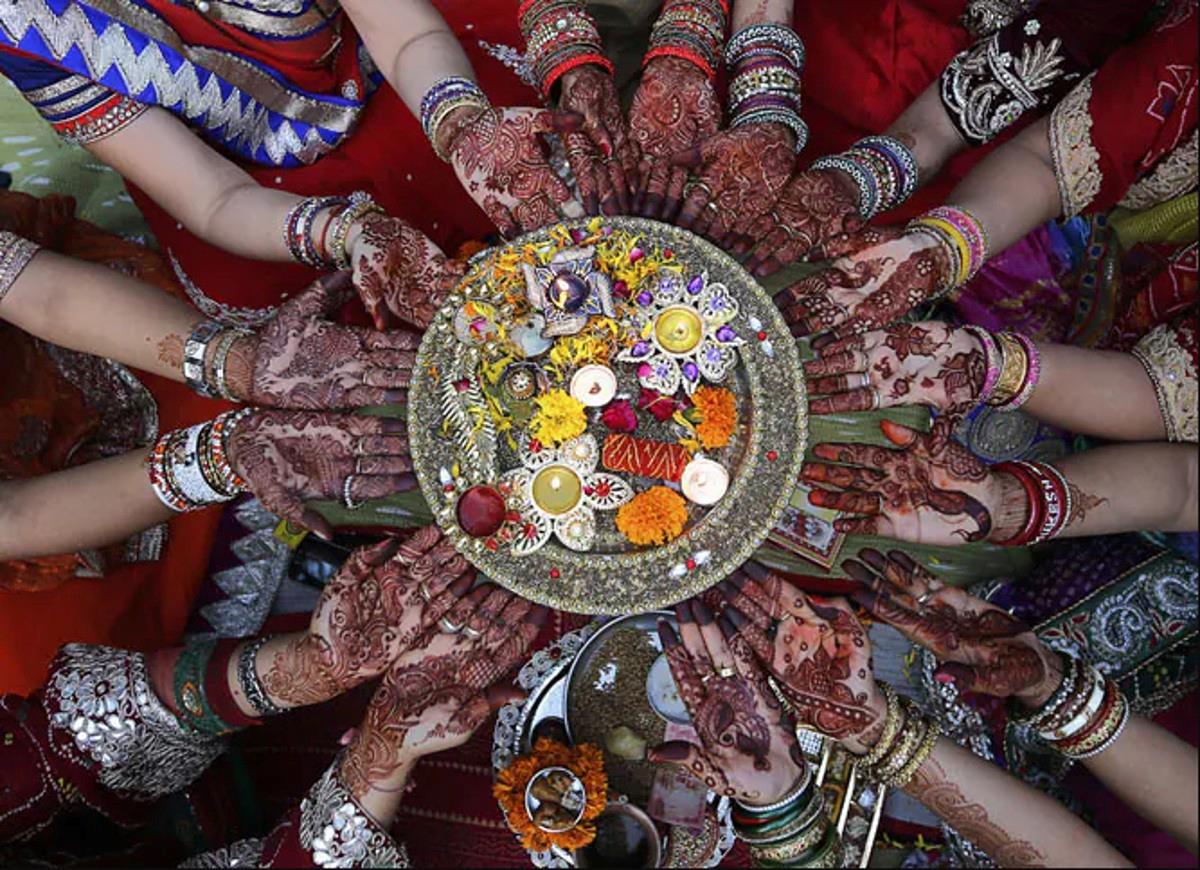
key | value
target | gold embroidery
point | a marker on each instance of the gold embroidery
(1173, 373)
(1076, 160)
(15, 254)
(1172, 176)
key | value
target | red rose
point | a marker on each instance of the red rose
(619, 416)
(662, 407)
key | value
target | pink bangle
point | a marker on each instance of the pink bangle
(992, 351)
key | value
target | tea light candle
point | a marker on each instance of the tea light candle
(594, 386)
(704, 481)
(678, 329)
(556, 489)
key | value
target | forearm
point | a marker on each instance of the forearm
(411, 44)
(1129, 487)
(1013, 823)
(1155, 774)
(1096, 392)
(928, 131)
(96, 310)
(92, 505)
(1013, 190)
(747, 12)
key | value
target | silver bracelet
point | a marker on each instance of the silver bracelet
(338, 832)
(793, 794)
(15, 254)
(776, 116)
(220, 357)
(251, 684)
(779, 34)
(185, 470)
(194, 352)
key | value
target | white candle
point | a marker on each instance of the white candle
(704, 481)
(594, 386)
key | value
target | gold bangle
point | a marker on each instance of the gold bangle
(799, 843)
(1013, 370)
(910, 737)
(444, 110)
(904, 776)
(892, 723)
(337, 253)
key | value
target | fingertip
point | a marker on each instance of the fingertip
(666, 634)
(317, 524)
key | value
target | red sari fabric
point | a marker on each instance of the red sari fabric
(387, 155)
(141, 605)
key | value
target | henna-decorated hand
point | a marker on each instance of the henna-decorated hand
(930, 491)
(377, 605)
(870, 289)
(927, 363)
(739, 173)
(601, 153)
(816, 651)
(500, 159)
(435, 695)
(675, 109)
(399, 271)
(303, 361)
(290, 457)
(982, 648)
(815, 206)
(748, 747)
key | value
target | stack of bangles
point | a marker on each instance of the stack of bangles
(190, 469)
(907, 739)
(200, 682)
(962, 236)
(1014, 368)
(1048, 495)
(882, 168)
(766, 61)
(559, 37)
(325, 248)
(692, 30)
(792, 832)
(205, 356)
(1083, 717)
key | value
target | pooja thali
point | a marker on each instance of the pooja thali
(607, 416)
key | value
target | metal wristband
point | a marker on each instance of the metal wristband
(902, 154)
(776, 116)
(776, 34)
(195, 350)
(221, 358)
(361, 205)
(15, 254)
(251, 683)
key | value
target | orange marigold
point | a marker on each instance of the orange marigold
(718, 416)
(655, 516)
(586, 761)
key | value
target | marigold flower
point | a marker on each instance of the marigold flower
(718, 416)
(586, 761)
(655, 516)
(560, 417)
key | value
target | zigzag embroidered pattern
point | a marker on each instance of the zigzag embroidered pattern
(161, 76)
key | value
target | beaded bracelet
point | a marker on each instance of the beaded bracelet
(1035, 719)
(560, 37)
(901, 156)
(183, 480)
(993, 360)
(441, 100)
(677, 34)
(16, 253)
(770, 37)
(298, 229)
(217, 689)
(361, 205)
(249, 681)
(868, 191)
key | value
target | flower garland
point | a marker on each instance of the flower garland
(586, 761)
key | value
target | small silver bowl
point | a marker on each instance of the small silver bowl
(570, 794)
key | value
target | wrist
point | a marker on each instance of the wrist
(1055, 670)
(865, 740)
(239, 367)
(445, 136)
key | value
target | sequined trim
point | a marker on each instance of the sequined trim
(15, 254)
(983, 17)
(985, 89)
(243, 853)
(1172, 368)
(279, 19)
(229, 315)
(102, 699)
(81, 111)
(1076, 160)
(1172, 176)
(338, 832)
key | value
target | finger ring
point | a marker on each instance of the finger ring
(424, 592)
(692, 186)
(358, 464)
(726, 672)
(449, 627)
(347, 497)
(925, 596)
(706, 678)
(358, 445)
(864, 379)
(713, 206)
(875, 400)
(472, 633)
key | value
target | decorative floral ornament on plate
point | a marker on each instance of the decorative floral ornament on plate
(685, 334)
(568, 291)
(558, 491)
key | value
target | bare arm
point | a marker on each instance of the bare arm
(92, 309)
(747, 12)
(1013, 823)
(926, 128)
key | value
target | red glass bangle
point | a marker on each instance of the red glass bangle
(687, 54)
(1034, 521)
(1053, 492)
(216, 686)
(569, 64)
(1110, 698)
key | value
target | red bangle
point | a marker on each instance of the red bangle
(681, 53)
(1052, 490)
(1034, 521)
(569, 64)
(216, 686)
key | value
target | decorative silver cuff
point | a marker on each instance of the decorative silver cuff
(340, 833)
(15, 254)
(102, 698)
(243, 853)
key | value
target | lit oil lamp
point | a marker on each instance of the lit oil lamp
(704, 482)
(556, 489)
(679, 329)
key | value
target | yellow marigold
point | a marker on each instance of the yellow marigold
(718, 416)
(559, 418)
(585, 761)
(655, 516)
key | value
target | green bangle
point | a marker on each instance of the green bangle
(190, 699)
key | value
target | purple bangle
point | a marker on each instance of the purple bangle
(992, 352)
(1032, 375)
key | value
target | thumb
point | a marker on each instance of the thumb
(322, 296)
(673, 752)
(962, 676)
(899, 435)
(690, 158)
(551, 121)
